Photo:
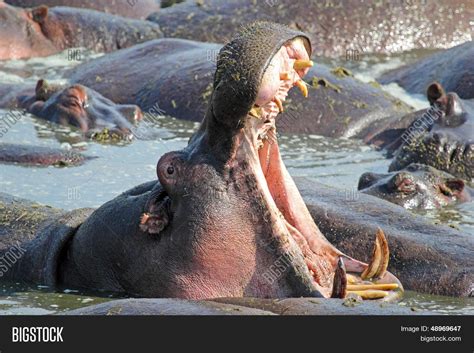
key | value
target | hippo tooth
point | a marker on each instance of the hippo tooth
(284, 75)
(374, 264)
(256, 112)
(302, 64)
(303, 88)
(339, 284)
(381, 286)
(369, 294)
(385, 254)
(351, 279)
(278, 103)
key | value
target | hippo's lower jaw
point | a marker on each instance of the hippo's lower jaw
(236, 213)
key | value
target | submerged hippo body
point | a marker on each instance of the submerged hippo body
(452, 68)
(443, 138)
(427, 258)
(28, 155)
(336, 28)
(134, 9)
(44, 31)
(225, 211)
(416, 187)
(174, 77)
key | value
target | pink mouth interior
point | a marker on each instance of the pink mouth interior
(277, 186)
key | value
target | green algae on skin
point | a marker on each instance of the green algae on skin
(317, 82)
(341, 72)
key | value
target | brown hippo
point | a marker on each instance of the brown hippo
(452, 68)
(139, 9)
(443, 137)
(225, 217)
(79, 106)
(43, 31)
(416, 186)
(176, 76)
(336, 27)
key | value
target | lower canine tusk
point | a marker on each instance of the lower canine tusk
(279, 104)
(303, 88)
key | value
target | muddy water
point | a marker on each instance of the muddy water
(120, 166)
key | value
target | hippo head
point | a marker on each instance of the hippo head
(442, 137)
(79, 106)
(228, 219)
(415, 187)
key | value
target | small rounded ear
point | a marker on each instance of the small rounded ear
(456, 186)
(38, 14)
(434, 92)
(41, 90)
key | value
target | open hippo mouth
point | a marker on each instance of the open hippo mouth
(255, 201)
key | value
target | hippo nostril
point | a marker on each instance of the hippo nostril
(170, 170)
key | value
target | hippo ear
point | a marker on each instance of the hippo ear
(44, 90)
(39, 13)
(453, 187)
(434, 92)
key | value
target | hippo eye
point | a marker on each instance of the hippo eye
(170, 170)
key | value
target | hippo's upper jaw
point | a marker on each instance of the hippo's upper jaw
(230, 208)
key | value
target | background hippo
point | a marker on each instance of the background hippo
(43, 31)
(175, 76)
(335, 27)
(416, 186)
(82, 107)
(441, 138)
(452, 68)
(128, 8)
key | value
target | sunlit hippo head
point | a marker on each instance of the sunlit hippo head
(228, 219)
(416, 187)
(79, 106)
(442, 137)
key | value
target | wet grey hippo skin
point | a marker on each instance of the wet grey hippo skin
(380, 26)
(30, 155)
(179, 84)
(211, 226)
(44, 31)
(443, 139)
(243, 306)
(416, 186)
(452, 68)
(140, 9)
(427, 258)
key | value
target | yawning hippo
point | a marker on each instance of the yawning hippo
(42, 31)
(442, 137)
(416, 187)
(225, 218)
(128, 8)
(338, 28)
